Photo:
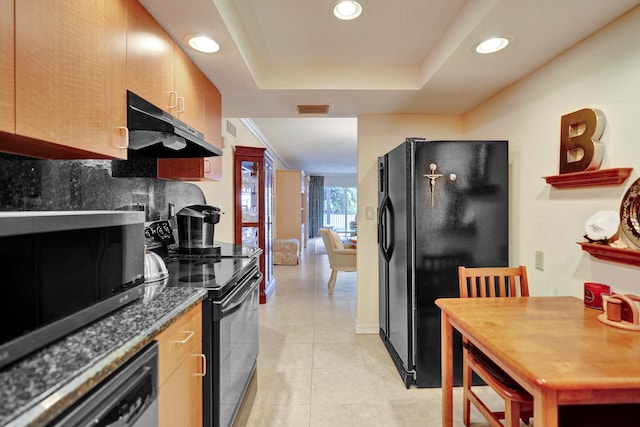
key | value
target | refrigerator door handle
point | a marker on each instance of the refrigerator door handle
(386, 247)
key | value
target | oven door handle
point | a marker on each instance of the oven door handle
(237, 302)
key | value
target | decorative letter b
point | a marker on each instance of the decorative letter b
(580, 148)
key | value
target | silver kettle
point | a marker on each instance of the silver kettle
(196, 226)
(154, 267)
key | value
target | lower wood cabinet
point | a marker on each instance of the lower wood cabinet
(180, 398)
(180, 371)
(7, 74)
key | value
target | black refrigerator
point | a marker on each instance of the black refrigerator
(441, 204)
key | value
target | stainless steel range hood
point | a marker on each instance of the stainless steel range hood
(154, 133)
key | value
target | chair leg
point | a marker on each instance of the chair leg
(512, 414)
(466, 384)
(332, 281)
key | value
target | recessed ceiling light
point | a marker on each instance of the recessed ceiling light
(347, 10)
(492, 45)
(202, 43)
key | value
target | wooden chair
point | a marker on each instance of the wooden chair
(518, 403)
(340, 258)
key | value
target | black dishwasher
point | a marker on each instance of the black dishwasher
(127, 398)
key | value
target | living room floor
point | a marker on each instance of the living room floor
(313, 370)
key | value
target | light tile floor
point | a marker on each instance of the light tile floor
(313, 370)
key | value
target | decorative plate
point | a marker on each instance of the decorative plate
(602, 226)
(630, 213)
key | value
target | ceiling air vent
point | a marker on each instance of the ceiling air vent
(231, 129)
(313, 109)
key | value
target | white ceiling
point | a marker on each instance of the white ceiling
(401, 56)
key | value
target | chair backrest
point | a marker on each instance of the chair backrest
(493, 282)
(331, 239)
(330, 242)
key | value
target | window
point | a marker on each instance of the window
(340, 209)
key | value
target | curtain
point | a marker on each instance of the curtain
(316, 204)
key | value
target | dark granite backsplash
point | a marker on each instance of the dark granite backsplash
(28, 184)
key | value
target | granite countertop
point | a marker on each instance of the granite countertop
(34, 390)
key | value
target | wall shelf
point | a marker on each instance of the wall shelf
(607, 253)
(615, 176)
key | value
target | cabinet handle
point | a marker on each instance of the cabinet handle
(207, 166)
(204, 365)
(126, 137)
(190, 334)
(180, 110)
(173, 99)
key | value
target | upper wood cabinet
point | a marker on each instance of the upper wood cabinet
(176, 85)
(159, 71)
(7, 94)
(209, 168)
(150, 58)
(212, 129)
(188, 86)
(65, 67)
(70, 83)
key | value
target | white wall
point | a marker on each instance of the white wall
(602, 72)
(221, 193)
(377, 134)
(341, 180)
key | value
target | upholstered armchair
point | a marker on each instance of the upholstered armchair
(340, 258)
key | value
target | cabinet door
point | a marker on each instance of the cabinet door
(180, 398)
(178, 341)
(150, 62)
(70, 74)
(209, 168)
(250, 192)
(188, 85)
(269, 235)
(180, 369)
(7, 104)
(253, 188)
(212, 129)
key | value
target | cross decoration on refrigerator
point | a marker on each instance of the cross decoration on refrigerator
(441, 204)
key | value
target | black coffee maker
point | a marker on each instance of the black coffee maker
(196, 225)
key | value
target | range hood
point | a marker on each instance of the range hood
(154, 133)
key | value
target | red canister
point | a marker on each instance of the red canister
(593, 294)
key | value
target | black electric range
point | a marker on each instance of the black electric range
(230, 320)
(230, 324)
(218, 274)
(218, 271)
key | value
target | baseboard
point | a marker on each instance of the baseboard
(366, 329)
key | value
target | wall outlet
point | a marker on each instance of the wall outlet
(369, 212)
(540, 260)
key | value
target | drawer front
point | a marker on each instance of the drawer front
(178, 341)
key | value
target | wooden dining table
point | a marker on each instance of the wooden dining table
(554, 347)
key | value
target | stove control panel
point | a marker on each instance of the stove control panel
(158, 233)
